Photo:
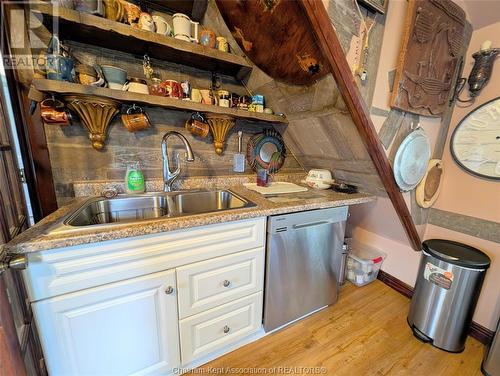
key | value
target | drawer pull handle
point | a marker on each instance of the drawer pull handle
(226, 283)
(226, 329)
(169, 290)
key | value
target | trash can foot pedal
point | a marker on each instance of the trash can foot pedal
(420, 336)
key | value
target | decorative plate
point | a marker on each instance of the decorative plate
(428, 189)
(412, 158)
(266, 151)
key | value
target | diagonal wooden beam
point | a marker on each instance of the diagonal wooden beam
(332, 51)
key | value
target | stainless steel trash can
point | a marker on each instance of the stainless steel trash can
(448, 283)
(491, 362)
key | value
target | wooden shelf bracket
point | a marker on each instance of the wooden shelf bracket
(96, 115)
(220, 125)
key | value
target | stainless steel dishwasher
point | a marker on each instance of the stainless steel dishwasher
(303, 263)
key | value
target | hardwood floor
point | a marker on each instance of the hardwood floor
(364, 333)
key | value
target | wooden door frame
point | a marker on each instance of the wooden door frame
(32, 141)
(330, 46)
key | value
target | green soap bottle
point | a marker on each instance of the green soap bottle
(134, 179)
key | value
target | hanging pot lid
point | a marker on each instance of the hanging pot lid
(412, 158)
(428, 189)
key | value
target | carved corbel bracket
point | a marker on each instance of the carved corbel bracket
(95, 113)
(220, 125)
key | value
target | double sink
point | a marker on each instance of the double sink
(101, 212)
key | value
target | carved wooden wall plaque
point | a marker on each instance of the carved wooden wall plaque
(429, 57)
(276, 37)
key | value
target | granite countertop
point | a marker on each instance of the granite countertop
(40, 238)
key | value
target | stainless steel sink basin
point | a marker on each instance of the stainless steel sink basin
(136, 208)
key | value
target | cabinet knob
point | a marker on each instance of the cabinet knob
(226, 283)
(226, 329)
(169, 290)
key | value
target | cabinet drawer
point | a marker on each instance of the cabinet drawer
(210, 283)
(211, 330)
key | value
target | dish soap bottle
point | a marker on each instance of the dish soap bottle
(134, 179)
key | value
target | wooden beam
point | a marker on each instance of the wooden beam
(332, 50)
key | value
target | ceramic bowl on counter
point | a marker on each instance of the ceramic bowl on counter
(319, 179)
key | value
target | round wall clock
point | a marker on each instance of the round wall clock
(475, 143)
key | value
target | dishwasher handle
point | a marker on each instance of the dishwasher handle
(311, 224)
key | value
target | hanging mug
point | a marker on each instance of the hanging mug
(182, 28)
(52, 111)
(135, 119)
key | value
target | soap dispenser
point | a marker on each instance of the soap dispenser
(134, 179)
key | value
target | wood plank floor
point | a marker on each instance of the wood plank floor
(364, 333)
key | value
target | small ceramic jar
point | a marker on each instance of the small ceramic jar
(156, 88)
(207, 38)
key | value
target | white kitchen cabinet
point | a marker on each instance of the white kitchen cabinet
(123, 328)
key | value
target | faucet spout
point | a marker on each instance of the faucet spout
(169, 176)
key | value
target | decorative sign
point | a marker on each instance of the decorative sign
(430, 56)
(275, 35)
(475, 144)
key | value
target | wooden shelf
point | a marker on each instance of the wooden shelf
(62, 87)
(98, 31)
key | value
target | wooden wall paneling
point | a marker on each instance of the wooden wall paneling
(390, 127)
(330, 46)
(273, 31)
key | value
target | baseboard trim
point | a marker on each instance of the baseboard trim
(477, 331)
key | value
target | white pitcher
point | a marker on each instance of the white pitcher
(182, 28)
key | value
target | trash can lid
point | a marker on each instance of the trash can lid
(457, 253)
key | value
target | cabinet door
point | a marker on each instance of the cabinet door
(124, 328)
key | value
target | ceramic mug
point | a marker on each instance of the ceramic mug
(132, 13)
(146, 22)
(206, 96)
(86, 74)
(182, 28)
(196, 95)
(162, 26)
(116, 77)
(173, 88)
(156, 88)
(136, 119)
(222, 44)
(207, 38)
(60, 68)
(114, 10)
(136, 85)
(52, 111)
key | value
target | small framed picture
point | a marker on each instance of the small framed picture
(376, 5)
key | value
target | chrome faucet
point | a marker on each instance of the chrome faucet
(168, 176)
